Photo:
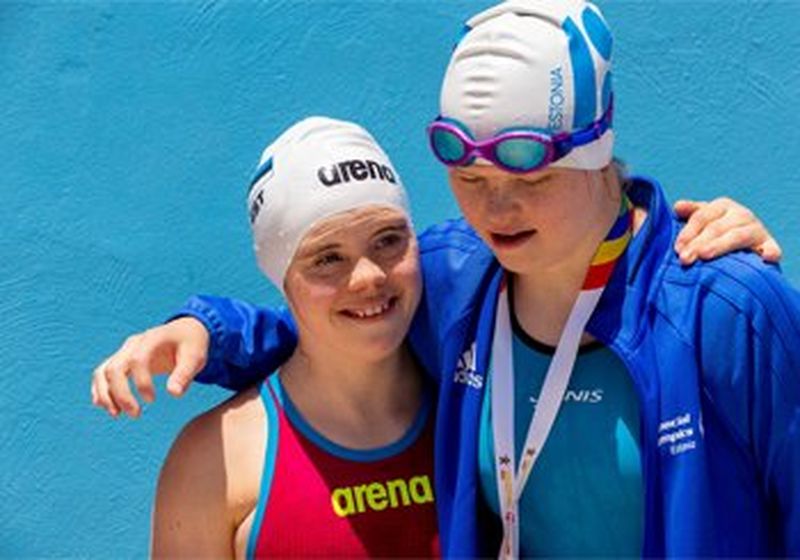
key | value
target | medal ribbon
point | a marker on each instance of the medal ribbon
(510, 481)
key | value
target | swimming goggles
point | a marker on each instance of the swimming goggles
(519, 150)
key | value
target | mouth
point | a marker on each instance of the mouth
(512, 240)
(373, 312)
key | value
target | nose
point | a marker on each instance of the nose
(366, 274)
(499, 197)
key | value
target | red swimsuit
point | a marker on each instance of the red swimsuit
(320, 499)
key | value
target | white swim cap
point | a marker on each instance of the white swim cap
(317, 168)
(541, 64)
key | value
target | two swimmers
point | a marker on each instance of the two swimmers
(707, 434)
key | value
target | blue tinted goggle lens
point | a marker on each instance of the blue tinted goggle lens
(447, 145)
(522, 154)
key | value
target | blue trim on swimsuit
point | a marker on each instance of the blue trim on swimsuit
(269, 465)
(359, 455)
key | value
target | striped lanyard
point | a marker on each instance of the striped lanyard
(509, 485)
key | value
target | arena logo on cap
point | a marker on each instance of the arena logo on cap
(354, 170)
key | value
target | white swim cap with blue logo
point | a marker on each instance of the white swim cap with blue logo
(317, 168)
(542, 64)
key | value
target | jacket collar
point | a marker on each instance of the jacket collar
(632, 284)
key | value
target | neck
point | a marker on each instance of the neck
(355, 403)
(544, 298)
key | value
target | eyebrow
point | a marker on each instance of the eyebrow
(316, 250)
(537, 180)
(394, 227)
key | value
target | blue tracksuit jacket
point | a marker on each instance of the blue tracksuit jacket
(713, 349)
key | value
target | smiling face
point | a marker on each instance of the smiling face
(354, 283)
(539, 219)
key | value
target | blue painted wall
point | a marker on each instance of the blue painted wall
(128, 132)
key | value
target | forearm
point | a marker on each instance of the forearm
(246, 342)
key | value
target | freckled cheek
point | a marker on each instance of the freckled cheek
(311, 302)
(322, 293)
(472, 205)
(545, 207)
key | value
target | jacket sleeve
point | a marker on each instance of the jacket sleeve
(777, 416)
(753, 351)
(247, 342)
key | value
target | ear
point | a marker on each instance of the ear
(604, 182)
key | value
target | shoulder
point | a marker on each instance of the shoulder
(457, 269)
(737, 286)
(454, 258)
(741, 318)
(739, 283)
(231, 422)
(453, 246)
(218, 455)
(454, 234)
